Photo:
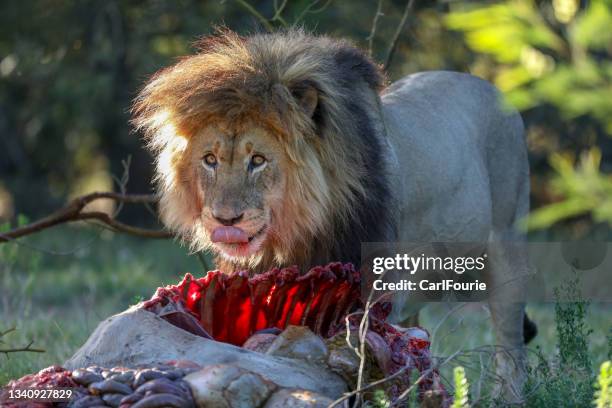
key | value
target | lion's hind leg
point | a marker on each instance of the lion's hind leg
(508, 271)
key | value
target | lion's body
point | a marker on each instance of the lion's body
(460, 171)
(434, 159)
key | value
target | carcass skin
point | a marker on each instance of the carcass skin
(460, 173)
(137, 337)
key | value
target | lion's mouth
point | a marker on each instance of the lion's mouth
(233, 235)
(243, 247)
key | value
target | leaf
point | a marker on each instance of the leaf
(603, 395)
(462, 389)
(592, 27)
(553, 213)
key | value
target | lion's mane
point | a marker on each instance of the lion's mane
(337, 194)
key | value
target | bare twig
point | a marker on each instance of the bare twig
(363, 331)
(264, 21)
(309, 10)
(27, 348)
(370, 385)
(278, 11)
(360, 349)
(122, 182)
(4, 333)
(117, 226)
(370, 38)
(74, 212)
(427, 372)
(396, 35)
(395, 375)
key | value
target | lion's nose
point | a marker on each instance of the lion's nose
(227, 221)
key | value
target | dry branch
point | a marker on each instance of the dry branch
(396, 35)
(309, 9)
(74, 212)
(27, 348)
(370, 37)
(278, 11)
(264, 21)
(278, 18)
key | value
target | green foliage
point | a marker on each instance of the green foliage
(567, 380)
(603, 395)
(413, 397)
(542, 59)
(462, 389)
(610, 344)
(550, 386)
(552, 60)
(379, 400)
(137, 299)
(585, 188)
(572, 332)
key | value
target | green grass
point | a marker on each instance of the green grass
(469, 329)
(57, 300)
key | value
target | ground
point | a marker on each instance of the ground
(58, 299)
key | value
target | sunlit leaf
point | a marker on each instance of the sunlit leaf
(592, 27)
(508, 79)
(553, 213)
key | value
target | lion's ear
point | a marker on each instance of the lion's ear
(307, 97)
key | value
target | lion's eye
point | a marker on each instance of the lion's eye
(210, 160)
(257, 160)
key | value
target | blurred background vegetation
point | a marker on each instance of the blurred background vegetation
(69, 70)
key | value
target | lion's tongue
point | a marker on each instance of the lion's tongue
(229, 235)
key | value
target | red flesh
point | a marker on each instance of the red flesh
(232, 307)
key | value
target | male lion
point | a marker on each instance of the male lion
(281, 149)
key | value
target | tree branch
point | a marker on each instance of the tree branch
(74, 212)
(396, 35)
(27, 348)
(264, 21)
(278, 11)
(4, 333)
(370, 38)
(118, 226)
(309, 10)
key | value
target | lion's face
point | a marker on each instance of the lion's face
(240, 180)
(265, 149)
